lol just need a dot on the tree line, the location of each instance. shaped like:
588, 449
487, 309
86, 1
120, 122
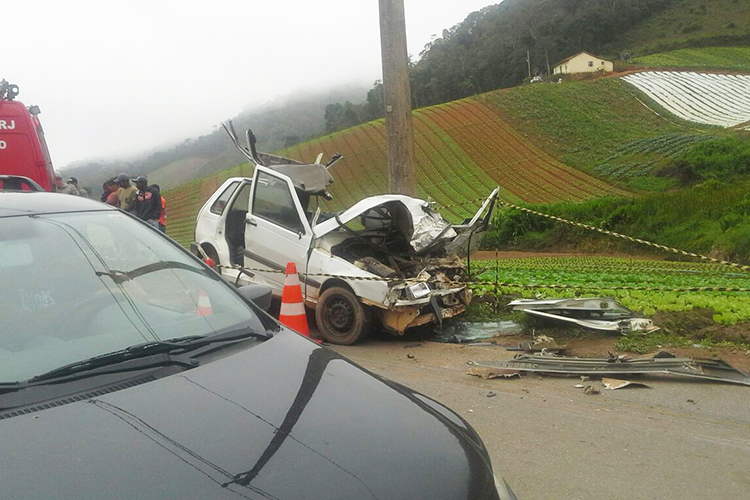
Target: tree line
488, 50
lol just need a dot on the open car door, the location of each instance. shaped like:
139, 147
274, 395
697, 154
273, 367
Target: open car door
470, 231
276, 230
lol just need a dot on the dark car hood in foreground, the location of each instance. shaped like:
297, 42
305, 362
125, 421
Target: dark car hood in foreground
285, 419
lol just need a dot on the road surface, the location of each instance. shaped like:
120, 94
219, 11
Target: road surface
676, 440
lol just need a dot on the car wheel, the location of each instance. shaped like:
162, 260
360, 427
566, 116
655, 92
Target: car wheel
341, 317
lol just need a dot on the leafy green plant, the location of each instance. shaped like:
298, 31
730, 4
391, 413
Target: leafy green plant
621, 278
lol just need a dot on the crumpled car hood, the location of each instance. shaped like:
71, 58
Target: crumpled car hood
285, 419
427, 224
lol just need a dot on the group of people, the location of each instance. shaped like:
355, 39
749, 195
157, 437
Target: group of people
141, 200
70, 187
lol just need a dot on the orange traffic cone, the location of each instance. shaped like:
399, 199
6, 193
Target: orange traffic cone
204, 305
292, 312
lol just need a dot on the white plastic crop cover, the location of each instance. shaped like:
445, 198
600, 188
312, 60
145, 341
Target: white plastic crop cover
708, 98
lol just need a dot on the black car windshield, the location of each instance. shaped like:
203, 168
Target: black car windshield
74, 286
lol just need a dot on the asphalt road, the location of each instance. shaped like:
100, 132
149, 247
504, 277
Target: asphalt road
676, 440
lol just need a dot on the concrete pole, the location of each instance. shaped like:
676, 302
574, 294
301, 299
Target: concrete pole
402, 178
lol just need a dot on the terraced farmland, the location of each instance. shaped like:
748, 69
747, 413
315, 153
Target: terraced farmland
706, 98
463, 150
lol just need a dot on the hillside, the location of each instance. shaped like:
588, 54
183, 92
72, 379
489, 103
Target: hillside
484, 52
526, 140
705, 59
689, 23
488, 49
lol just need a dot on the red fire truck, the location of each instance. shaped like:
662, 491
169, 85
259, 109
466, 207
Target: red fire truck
23, 150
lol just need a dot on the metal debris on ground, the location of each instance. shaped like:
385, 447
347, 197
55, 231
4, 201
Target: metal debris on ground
590, 390
490, 373
660, 363
463, 332
595, 313
541, 343
616, 383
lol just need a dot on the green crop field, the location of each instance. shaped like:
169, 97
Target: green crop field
583, 124
604, 276
706, 58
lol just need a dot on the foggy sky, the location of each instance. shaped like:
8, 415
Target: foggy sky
120, 78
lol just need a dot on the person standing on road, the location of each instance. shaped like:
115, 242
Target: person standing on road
63, 187
147, 202
106, 190
126, 193
111, 195
81, 192
163, 213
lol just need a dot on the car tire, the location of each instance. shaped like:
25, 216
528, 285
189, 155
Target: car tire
341, 317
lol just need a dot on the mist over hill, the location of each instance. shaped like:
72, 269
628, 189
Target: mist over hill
277, 124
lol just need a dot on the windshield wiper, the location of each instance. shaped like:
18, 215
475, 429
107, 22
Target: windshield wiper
122, 276
136, 357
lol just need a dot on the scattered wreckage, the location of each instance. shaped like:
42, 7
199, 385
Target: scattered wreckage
593, 313
389, 258
662, 362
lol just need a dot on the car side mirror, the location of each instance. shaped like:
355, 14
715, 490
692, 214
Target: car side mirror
260, 295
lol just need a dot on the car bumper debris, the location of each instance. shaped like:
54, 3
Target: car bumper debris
662, 362
596, 313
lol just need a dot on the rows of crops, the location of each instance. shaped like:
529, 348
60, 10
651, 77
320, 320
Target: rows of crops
650, 152
463, 149
707, 98
599, 276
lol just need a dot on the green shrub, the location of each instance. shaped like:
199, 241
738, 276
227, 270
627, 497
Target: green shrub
724, 158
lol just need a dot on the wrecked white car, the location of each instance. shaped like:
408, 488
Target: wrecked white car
388, 259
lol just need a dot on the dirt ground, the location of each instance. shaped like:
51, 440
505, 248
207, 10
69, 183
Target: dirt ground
676, 439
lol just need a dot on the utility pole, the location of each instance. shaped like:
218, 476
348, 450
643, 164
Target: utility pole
402, 178
528, 62
546, 55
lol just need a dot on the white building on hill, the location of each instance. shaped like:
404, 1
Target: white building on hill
583, 62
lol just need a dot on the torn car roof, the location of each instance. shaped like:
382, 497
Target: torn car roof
427, 224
